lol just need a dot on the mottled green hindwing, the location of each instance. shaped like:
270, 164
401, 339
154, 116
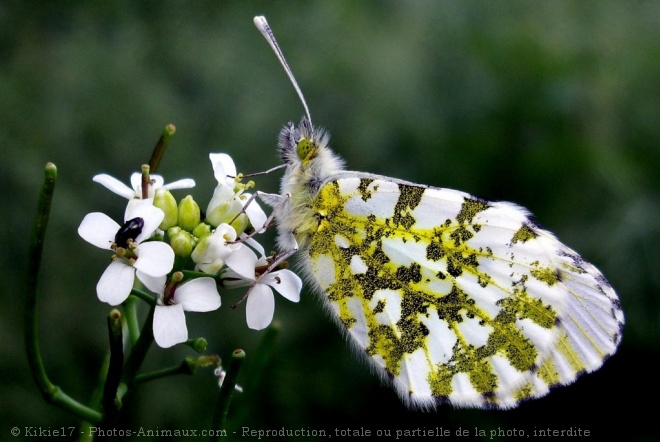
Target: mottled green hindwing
454, 298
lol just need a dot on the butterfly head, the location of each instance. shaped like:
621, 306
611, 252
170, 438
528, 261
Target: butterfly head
301, 143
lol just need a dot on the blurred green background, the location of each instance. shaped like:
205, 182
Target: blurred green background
553, 105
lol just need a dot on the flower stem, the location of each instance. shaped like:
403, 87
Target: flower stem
110, 401
192, 274
36, 251
130, 316
226, 392
51, 392
161, 145
87, 434
139, 352
146, 297
183, 368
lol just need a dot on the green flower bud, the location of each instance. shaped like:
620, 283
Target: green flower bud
189, 214
201, 230
181, 242
241, 223
164, 200
225, 212
174, 231
199, 345
218, 215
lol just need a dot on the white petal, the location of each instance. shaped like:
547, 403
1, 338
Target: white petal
211, 268
140, 207
169, 325
260, 307
114, 185
214, 246
230, 274
223, 165
254, 244
242, 261
233, 280
185, 183
155, 284
98, 229
151, 215
155, 258
287, 283
198, 295
136, 182
132, 204
157, 182
221, 194
255, 214
116, 283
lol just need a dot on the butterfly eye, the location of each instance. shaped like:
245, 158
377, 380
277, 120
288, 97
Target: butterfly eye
130, 230
306, 149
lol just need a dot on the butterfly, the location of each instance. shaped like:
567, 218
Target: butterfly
451, 298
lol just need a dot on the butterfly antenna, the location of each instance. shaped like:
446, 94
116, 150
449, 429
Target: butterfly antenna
262, 24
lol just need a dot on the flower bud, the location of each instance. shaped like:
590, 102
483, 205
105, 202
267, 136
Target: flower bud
199, 345
241, 223
201, 230
182, 242
173, 231
164, 200
189, 214
225, 212
219, 214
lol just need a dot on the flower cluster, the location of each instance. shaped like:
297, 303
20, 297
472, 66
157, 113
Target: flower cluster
181, 256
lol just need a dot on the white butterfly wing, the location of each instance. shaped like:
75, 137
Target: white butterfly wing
456, 299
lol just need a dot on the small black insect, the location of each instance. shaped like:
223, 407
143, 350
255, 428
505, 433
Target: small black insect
130, 230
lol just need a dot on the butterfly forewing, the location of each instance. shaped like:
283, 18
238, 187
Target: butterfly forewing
454, 298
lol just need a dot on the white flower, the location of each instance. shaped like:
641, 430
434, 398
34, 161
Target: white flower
135, 193
197, 295
227, 201
261, 302
150, 261
216, 250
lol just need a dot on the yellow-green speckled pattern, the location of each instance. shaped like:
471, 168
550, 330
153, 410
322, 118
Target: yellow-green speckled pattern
455, 298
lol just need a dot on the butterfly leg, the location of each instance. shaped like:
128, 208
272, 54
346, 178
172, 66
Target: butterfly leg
265, 172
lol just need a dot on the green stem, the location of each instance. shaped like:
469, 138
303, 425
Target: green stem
139, 352
130, 315
36, 252
110, 401
192, 274
226, 392
51, 392
146, 297
86, 432
183, 368
161, 145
